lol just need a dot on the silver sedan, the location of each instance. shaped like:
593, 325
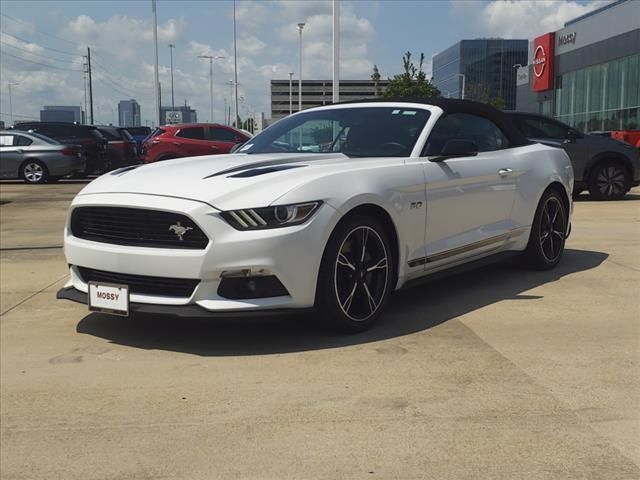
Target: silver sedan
36, 158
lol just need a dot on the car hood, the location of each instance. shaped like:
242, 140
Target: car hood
224, 181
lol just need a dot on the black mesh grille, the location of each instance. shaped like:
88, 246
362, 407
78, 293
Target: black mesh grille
137, 227
161, 286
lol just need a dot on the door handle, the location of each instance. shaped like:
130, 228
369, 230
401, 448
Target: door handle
20, 150
177, 144
505, 172
215, 147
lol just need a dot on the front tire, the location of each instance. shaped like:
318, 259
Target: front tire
609, 180
548, 233
355, 274
34, 171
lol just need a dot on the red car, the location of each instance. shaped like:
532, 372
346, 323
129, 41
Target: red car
190, 140
630, 136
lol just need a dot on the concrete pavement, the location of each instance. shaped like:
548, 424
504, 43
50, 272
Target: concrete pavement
496, 373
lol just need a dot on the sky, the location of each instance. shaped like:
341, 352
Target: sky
42, 44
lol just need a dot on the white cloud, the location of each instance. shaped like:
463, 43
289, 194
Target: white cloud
530, 18
267, 49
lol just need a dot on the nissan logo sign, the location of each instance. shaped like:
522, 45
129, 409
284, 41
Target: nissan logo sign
539, 61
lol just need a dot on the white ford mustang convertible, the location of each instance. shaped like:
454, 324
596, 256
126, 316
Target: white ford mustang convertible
330, 209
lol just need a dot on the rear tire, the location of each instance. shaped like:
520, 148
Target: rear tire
609, 180
34, 171
548, 233
356, 275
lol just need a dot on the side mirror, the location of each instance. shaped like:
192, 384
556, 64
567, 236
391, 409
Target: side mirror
572, 136
457, 148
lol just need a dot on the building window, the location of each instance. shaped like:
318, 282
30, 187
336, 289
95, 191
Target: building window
601, 97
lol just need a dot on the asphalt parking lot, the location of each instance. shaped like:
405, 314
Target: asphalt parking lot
496, 373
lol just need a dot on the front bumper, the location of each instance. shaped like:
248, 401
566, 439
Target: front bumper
182, 311
292, 254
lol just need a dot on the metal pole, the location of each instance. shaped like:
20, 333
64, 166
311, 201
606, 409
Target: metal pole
211, 89
290, 93
156, 78
235, 63
336, 51
90, 86
11, 104
171, 47
300, 27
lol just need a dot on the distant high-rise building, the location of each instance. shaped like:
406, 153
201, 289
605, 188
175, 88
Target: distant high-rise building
62, 113
488, 68
181, 114
129, 113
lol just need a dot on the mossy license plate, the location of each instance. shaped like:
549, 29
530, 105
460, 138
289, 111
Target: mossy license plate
109, 298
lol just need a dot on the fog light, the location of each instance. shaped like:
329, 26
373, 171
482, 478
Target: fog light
237, 288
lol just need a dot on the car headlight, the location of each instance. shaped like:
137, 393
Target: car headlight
271, 217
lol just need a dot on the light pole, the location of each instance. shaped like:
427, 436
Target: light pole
173, 105
11, 104
230, 83
290, 93
300, 27
212, 59
463, 79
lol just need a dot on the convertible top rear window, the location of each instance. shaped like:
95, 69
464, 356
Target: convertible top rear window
354, 131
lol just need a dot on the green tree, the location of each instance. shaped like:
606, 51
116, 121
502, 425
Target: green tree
375, 76
480, 93
413, 82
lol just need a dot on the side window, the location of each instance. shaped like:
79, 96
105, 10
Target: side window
196, 133
6, 140
21, 141
463, 126
547, 129
222, 135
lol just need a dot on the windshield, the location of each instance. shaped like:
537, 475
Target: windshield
356, 132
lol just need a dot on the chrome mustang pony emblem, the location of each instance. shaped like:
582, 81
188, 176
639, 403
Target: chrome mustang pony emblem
179, 230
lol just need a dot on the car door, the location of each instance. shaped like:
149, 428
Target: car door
222, 140
469, 198
191, 142
10, 157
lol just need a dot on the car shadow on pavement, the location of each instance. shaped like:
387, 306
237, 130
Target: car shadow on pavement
585, 197
410, 310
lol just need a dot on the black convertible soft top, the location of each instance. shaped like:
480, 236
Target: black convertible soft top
451, 105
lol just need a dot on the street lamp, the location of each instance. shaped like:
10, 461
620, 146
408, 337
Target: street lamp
290, 93
10, 103
463, 79
171, 47
212, 59
300, 27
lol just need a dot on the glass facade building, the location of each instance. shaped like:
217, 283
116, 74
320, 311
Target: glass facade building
129, 113
601, 97
487, 66
596, 60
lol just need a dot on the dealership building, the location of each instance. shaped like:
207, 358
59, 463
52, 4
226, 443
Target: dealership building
588, 73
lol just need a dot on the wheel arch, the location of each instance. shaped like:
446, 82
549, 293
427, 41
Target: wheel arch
604, 156
32, 159
382, 215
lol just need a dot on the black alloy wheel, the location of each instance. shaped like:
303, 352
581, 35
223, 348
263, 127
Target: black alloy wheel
548, 233
361, 273
609, 180
356, 274
552, 229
